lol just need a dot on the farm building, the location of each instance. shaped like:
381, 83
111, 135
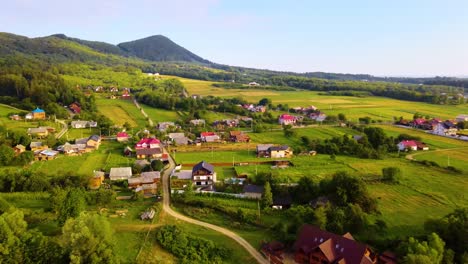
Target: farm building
122, 173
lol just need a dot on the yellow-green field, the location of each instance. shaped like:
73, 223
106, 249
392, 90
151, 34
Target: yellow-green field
121, 111
354, 107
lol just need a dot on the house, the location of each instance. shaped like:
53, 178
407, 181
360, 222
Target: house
314, 245
128, 151
421, 146
163, 126
72, 149
46, 154
29, 116
407, 145
15, 117
253, 191
36, 145
254, 84
96, 181
39, 132
286, 119
281, 202
148, 148
280, 152
147, 182
126, 94
19, 149
122, 137
178, 138
204, 176
142, 163
122, 173
75, 107
92, 124
38, 113
92, 143
209, 137
148, 153
446, 128
461, 118
79, 124
263, 150
238, 136
197, 122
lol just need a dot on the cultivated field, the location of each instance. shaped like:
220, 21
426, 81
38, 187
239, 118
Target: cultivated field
121, 111
378, 108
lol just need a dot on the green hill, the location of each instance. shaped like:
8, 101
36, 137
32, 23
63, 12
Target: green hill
159, 48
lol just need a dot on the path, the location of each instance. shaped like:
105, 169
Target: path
143, 112
167, 208
64, 128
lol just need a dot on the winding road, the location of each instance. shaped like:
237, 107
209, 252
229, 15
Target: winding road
167, 208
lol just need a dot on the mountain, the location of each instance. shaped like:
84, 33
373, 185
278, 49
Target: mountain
159, 48
96, 45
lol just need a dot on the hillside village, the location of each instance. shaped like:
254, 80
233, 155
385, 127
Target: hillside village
110, 156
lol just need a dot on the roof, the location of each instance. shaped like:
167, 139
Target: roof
49, 152
235, 133
122, 135
408, 143
334, 247
176, 135
142, 163
20, 147
35, 144
148, 151
251, 188
98, 174
278, 148
36, 130
38, 110
282, 200
94, 137
121, 172
181, 141
183, 175
206, 134
263, 147
151, 175
147, 141
287, 117
203, 165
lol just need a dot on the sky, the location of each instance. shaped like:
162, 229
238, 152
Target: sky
385, 38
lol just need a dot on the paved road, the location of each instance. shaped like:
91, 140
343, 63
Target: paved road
167, 208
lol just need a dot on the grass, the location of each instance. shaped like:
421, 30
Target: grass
354, 107
21, 125
121, 112
216, 156
457, 158
74, 133
159, 115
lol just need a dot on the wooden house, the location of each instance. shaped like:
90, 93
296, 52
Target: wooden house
122, 173
38, 114
19, 149
314, 245
263, 150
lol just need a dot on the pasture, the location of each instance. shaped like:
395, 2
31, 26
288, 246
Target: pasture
378, 108
160, 115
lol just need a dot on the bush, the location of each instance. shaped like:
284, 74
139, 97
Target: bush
391, 174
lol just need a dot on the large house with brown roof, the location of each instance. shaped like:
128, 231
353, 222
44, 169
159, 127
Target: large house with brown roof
204, 176
314, 245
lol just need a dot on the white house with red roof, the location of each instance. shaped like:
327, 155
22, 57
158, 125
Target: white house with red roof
148, 143
122, 137
408, 144
286, 119
209, 137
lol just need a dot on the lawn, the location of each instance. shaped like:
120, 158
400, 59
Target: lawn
21, 125
457, 158
74, 133
121, 112
216, 156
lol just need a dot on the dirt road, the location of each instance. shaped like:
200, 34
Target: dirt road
167, 208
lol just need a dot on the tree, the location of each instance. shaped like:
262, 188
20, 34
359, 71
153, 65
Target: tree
25, 158
6, 155
391, 174
265, 101
89, 239
267, 196
306, 190
73, 205
430, 251
342, 117
157, 165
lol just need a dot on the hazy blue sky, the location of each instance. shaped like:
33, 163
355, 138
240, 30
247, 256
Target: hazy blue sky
397, 37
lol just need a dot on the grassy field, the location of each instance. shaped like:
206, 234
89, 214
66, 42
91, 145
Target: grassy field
457, 158
21, 125
74, 133
354, 107
121, 111
159, 115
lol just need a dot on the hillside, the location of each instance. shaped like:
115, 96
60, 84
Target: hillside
159, 48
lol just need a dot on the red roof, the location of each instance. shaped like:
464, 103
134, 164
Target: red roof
287, 117
420, 121
409, 143
122, 135
336, 248
147, 142
206, 134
